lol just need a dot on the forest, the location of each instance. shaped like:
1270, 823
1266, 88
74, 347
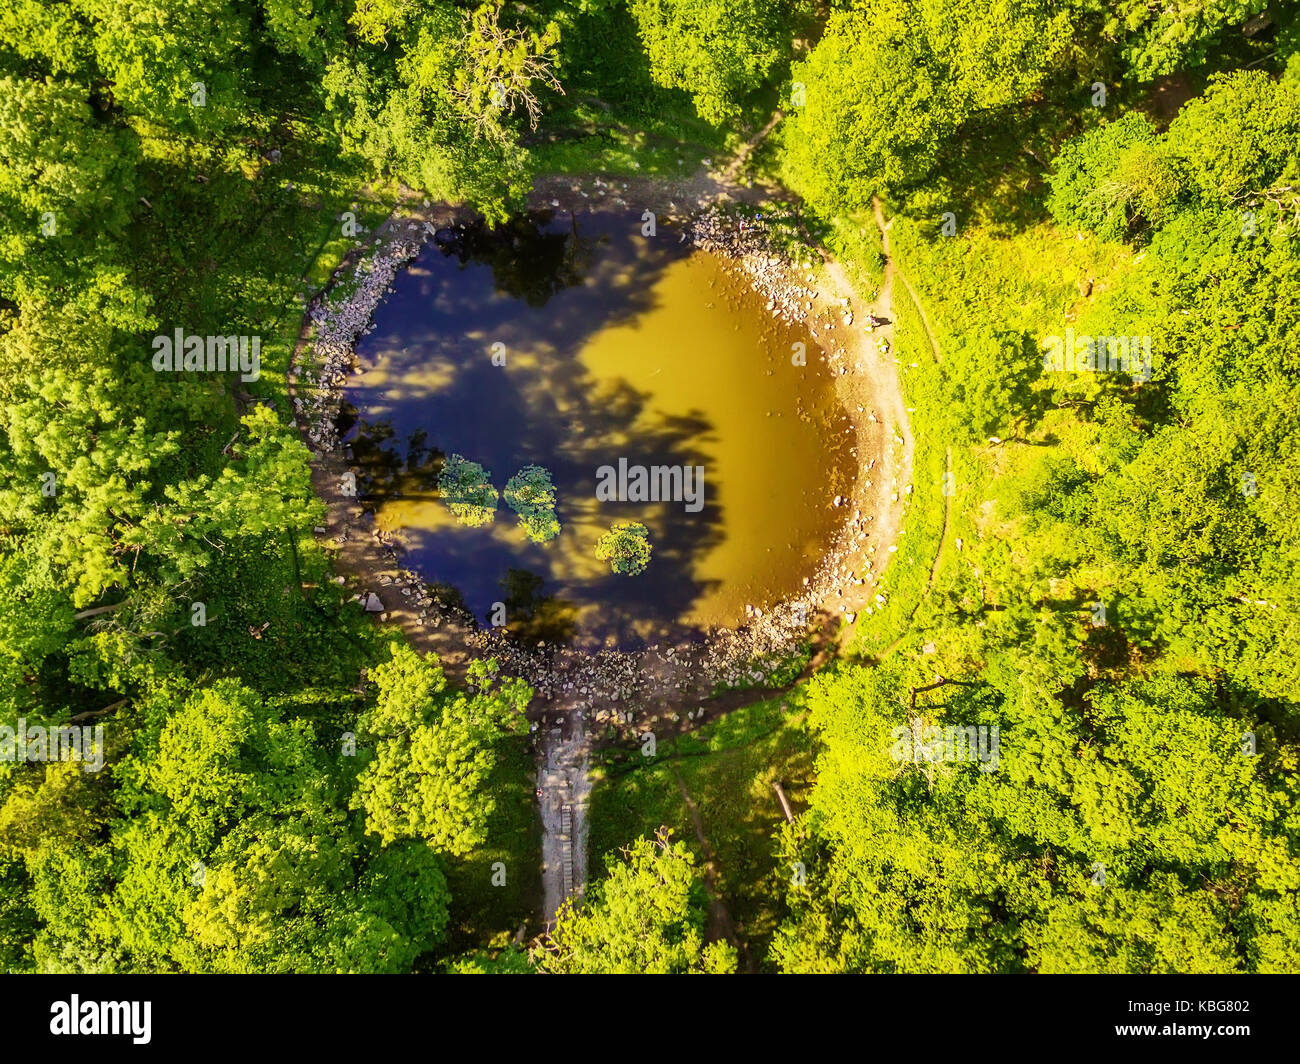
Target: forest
1093, 241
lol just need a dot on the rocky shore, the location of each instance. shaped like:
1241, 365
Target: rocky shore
337, 326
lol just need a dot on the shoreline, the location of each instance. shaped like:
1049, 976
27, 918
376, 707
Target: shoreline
650, 685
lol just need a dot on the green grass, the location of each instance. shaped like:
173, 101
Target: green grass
907, 572
481, 912
617, 153
728, 767
857, 245
983, 278
585, 139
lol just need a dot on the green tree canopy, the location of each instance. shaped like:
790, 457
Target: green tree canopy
531, 495
467, 488
433, 752
720, 51
626, 546
889, 85
646, 916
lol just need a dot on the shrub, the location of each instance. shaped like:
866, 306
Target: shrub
626, 546
467, 488
531, 495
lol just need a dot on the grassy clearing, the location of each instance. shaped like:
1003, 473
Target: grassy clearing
588, 139
857, 245
1031, 281
623, 123
907, 575
728, 768
1027, 280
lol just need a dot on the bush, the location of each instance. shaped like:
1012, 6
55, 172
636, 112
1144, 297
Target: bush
1111, 178
626, 546
531, 495
467, 488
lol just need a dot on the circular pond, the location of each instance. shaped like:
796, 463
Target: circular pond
651, 384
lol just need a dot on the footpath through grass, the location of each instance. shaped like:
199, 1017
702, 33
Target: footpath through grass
1030, 281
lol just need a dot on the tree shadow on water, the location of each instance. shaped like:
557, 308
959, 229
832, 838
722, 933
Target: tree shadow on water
542, 288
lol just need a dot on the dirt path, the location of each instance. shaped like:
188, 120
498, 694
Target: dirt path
892, 273
747, 149
947, 522
884, 429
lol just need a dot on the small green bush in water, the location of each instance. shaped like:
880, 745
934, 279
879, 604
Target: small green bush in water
467, 488
626, 546
531, 495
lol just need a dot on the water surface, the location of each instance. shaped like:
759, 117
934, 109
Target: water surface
615, 346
